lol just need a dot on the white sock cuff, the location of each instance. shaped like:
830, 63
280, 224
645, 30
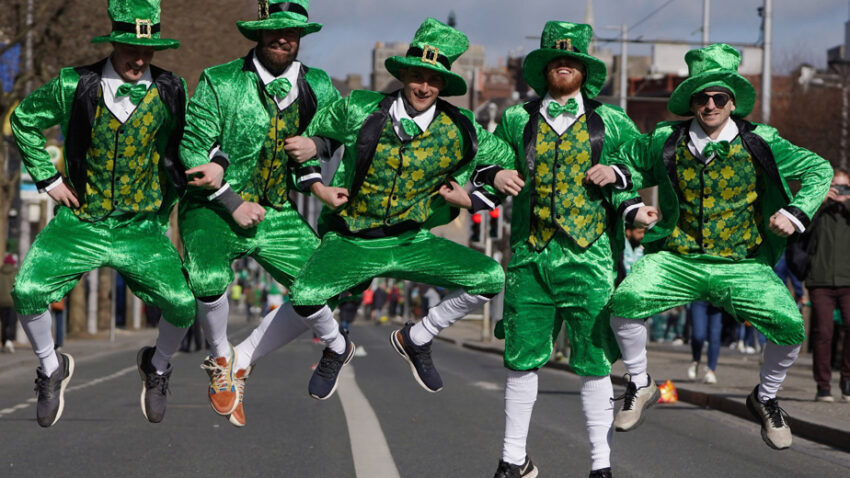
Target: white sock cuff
519, 377
214, 305
621, 323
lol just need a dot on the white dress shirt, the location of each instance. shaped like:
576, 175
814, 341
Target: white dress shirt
291, 74
110, 81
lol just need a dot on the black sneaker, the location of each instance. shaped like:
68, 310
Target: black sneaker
154, 386
601, 473
775, 430
845, 390
419, 358
51, 391
326, 376
508, 470
824, 395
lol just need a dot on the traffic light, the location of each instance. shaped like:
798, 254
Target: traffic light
495, 224
475, 229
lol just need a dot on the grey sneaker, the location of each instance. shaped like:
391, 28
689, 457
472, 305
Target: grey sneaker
51, 391
635, 402
508, 470
154, 386
774, 421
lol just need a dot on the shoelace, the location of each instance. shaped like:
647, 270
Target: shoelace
154, 381
329, 365
423, 355
216, 372
240, 385
628, 396
775, 413
42, 387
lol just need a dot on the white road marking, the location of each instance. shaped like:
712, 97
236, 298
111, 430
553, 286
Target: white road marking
90, 383
488, 385
369, 447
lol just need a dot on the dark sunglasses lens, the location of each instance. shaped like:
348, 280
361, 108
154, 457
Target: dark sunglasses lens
720, 99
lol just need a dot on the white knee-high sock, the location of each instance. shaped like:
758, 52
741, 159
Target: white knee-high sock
326, 328
213, 318
777, 360
278, 328
38, 329
597, 401
453, 307
520, 395
631, 337
167, 342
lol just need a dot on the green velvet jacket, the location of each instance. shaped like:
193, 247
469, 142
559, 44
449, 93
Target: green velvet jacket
70, 101
608, 127
228, 110
358, 121
651, 161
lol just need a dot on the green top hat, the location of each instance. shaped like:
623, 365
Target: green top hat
569, 40
435, 46
136, 22
277, 15
714, 65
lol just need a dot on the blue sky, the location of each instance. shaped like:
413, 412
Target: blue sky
803, 29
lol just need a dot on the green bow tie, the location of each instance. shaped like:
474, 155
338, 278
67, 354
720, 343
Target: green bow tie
279, 87
555, 109
410, 127
720, 148
136, 92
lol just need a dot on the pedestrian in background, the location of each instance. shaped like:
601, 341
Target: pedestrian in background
8, 318
706, 324
828, 281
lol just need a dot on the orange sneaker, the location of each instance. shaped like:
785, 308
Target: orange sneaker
237, 418
223, 396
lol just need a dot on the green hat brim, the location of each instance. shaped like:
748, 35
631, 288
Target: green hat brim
455, 84
130, 39
745, 94
536, 61
251, 29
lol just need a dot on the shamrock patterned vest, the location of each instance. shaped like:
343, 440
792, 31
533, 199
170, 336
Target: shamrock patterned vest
404, 176
719, 213
563, 202
123, 172
269, 181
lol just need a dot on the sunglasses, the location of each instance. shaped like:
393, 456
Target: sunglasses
720, 99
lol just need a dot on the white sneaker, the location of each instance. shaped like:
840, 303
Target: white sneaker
692, 370
9, 347
750, 350
710, 378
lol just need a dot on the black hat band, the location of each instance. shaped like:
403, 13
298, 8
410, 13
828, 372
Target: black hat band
287, 7
429, 55
142, 28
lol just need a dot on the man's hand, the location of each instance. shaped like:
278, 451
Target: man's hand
508, 181
646, 216
332, 197
781, 225
600, 175
206, 176
455, 195
300, 148
249, 214
64, 195
833, 195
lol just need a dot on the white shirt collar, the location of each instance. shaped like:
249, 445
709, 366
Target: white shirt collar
291, 74
397, 113
699, 138
564, 121
110, 81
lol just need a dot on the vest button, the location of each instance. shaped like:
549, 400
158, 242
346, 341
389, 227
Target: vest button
557, 165
558, 216
395, 198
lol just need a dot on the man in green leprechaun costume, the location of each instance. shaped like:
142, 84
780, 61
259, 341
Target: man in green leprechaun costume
122, 119
242, 140
563, 236
406, 156
726, 210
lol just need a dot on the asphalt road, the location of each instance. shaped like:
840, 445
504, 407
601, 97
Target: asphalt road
380, 424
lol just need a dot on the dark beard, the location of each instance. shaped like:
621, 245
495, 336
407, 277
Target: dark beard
275, 67
634, 242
